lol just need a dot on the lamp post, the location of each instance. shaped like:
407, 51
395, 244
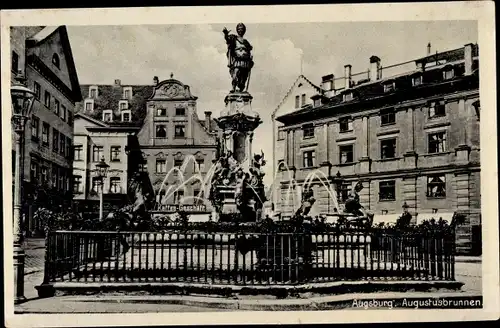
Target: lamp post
22, 104
102, 171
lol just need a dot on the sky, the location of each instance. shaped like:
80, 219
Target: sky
196, 55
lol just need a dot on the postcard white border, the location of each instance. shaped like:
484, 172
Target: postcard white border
482, 11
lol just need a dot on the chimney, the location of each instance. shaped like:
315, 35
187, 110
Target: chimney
347, 76
155, 80
428, 49
375, 68
118, 82
468, 58
328, 85
208, 116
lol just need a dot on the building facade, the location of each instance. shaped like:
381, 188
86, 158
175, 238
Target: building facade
43, 56
412, 138
153, 130
178, 147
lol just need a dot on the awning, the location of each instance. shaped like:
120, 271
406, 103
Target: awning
203, 217
436, 216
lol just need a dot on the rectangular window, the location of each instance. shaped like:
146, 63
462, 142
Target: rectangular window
161, 166
125, 117
62, 178
416, 80
115, 153
126, 94
308, 131
37, 89
346, 154
46, 99
348, 96
345, 189
15, 62
198, 200
436, 186
161, 111
387, 117
78, 151
123, 105
161, 131
180, 111
178, 162
57, 107
345, 124
303, 100
437, 109
388, 148
309, 158
62, 144
297, 101
281, 134
45, 134
55, 140
70, 118
63, 112
180, 131
97, 153
199, 165
68, 147
437, 142
93, 93
388, 87
35, 128
387, 190
114, 185
178, 196
107, 116
448, 74
77, 184
89, 106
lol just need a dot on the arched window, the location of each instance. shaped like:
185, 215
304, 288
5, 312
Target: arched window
55, 60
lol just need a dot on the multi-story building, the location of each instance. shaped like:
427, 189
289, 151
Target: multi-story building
178, 146
43, 56
411, 138
141, 128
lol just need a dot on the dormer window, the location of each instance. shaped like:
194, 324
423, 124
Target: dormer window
416, 80
448, 73
123, 104
127, 92
107, 115
89, 105
55, 61
126, 116
389, 86
93, 92
317, 102
348, 96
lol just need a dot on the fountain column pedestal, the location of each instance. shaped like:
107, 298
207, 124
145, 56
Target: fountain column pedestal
237, 122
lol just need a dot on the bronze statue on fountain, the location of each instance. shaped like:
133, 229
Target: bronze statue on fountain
354, 213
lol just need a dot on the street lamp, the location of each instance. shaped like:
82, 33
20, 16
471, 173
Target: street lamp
22, 104
102, 171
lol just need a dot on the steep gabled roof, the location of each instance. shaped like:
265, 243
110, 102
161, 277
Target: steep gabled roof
43, 35
90, 119
297, 81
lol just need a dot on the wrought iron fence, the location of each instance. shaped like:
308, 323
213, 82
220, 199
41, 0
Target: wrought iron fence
248, 258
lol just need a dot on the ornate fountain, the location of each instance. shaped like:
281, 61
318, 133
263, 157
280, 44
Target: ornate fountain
237, 189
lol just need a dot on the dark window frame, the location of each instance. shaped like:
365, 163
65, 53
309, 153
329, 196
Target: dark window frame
383, 194
346, 125
388, 116
180, 111
160, 127
14, 64
114, 153
179, 135
384, 145
308, 158
35, 126
97, 153
78, 153
434, 145
308, 131
344, 149
437, 183
163, 167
